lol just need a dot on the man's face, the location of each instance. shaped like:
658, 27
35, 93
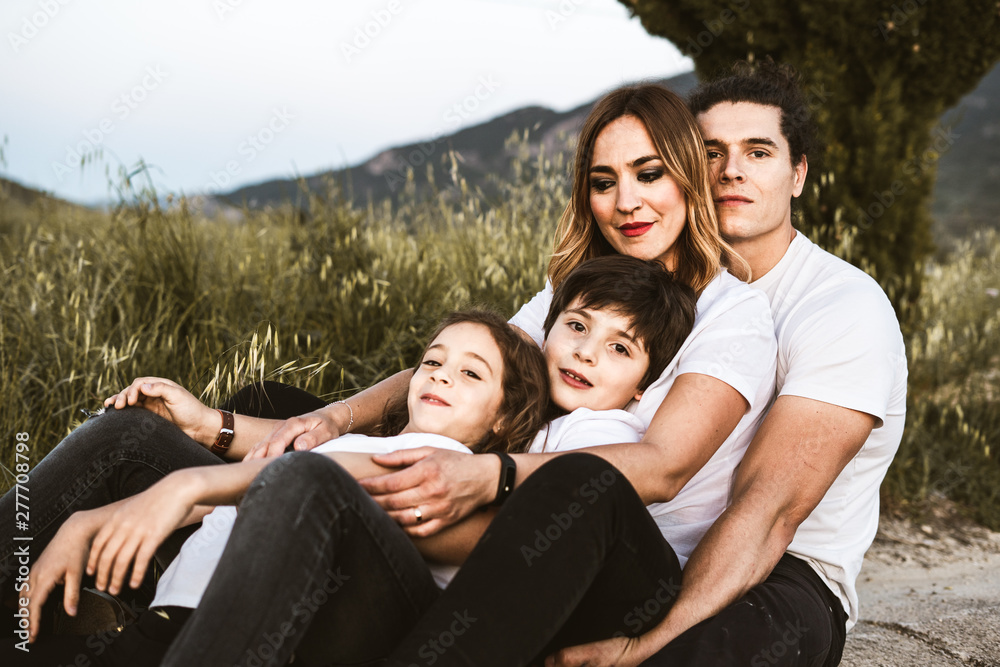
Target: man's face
753, 179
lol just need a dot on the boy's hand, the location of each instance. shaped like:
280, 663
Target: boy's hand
62, 562
172, 402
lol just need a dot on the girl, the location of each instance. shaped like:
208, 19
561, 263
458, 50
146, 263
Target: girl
478, 387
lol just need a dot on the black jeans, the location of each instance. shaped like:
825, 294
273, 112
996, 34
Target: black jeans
313, 566
546, 577
114, 456
572, 557
791, 619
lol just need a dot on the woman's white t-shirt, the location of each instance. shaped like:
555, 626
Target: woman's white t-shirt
733, 341
185, 580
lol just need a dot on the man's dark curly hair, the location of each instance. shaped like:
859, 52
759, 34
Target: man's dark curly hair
769, 84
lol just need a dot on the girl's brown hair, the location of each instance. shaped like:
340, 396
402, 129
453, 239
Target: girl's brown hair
524, 382
701, 252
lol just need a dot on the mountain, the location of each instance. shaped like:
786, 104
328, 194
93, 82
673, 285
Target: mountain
480, 148
966, 195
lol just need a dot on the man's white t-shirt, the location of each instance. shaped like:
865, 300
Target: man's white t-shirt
733, 341
185, 580
839, 342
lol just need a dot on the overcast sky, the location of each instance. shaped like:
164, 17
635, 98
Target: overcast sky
231, 92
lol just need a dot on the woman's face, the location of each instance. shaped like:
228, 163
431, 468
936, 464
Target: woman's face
457, 390
638, 207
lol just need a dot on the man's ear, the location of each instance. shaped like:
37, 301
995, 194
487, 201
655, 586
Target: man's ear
801, 169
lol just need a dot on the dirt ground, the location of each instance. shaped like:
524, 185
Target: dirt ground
930, 595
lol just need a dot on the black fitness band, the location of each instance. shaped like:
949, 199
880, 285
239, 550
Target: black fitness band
508, 471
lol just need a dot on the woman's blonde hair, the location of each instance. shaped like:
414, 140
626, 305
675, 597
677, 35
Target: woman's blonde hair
700, 250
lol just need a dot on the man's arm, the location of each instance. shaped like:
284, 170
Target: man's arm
798, 452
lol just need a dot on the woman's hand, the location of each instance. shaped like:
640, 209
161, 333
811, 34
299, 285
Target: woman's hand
617, 652
172, 402
445, 485
135, 529
305, 432
62, 562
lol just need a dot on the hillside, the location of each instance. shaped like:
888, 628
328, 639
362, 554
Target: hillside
966, 196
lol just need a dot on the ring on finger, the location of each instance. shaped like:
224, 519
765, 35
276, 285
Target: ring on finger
417, 514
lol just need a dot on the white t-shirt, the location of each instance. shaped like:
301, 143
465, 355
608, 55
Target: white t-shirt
839, 343
185, 580
733, 341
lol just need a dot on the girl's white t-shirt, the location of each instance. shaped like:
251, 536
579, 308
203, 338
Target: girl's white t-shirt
733, 341
185, 580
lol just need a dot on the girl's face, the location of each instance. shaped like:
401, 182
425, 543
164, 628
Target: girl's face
639, 209
457, 390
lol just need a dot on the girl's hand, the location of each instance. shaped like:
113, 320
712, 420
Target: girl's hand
306, 432
134, 530
172, 402
62, 562
619, 652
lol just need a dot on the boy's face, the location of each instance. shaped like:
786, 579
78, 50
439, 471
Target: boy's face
593, 360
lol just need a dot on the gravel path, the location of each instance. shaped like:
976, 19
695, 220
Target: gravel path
930, 595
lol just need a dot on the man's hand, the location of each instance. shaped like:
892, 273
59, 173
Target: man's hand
445, 485
172, 402
617, 652
305, 432
62, 562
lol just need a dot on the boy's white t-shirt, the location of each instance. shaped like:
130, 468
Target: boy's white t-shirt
185, 580
732, 340
839, 342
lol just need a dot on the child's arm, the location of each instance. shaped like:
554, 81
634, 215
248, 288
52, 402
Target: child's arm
453, 545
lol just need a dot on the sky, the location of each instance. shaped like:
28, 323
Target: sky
215, 94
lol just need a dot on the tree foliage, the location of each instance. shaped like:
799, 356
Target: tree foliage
878, 77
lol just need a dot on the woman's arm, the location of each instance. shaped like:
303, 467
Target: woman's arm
697, 415
315, 428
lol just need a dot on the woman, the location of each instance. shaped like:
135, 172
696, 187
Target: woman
640, 188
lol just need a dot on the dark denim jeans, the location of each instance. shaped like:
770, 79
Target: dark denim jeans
572, 557
111, 457
314, 566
